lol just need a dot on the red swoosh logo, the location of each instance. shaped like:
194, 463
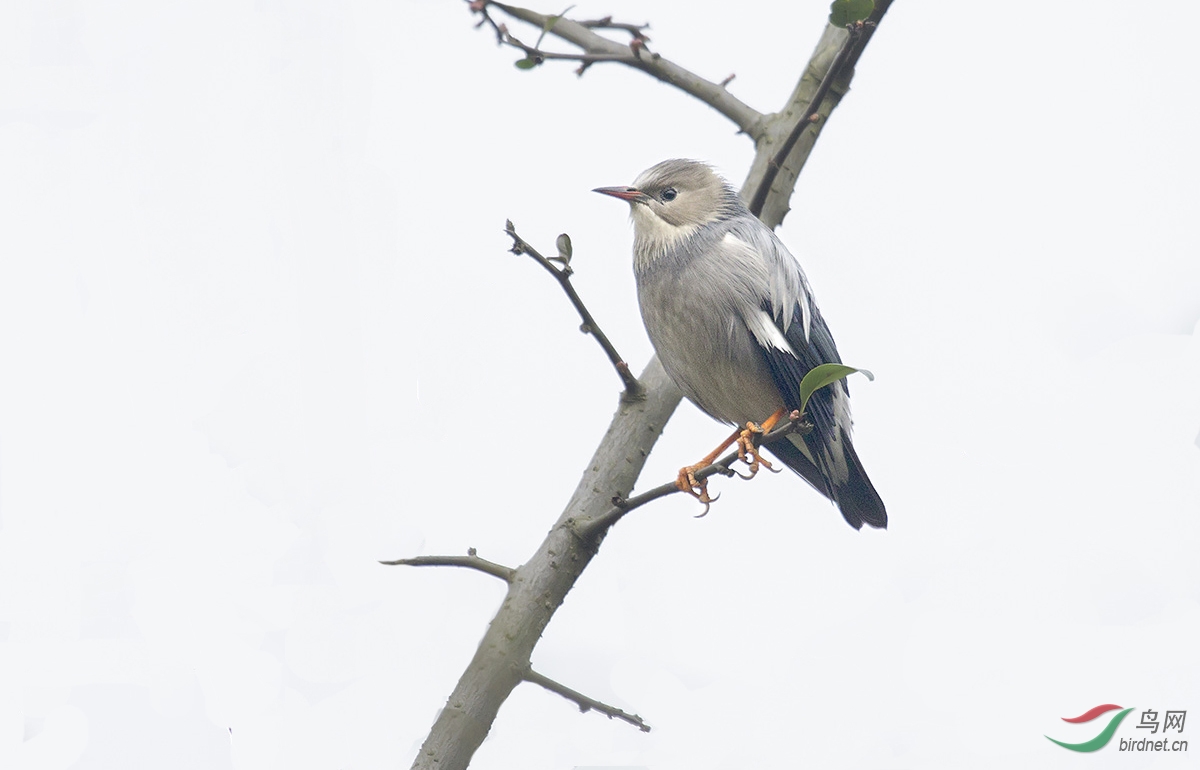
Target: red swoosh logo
1091, 714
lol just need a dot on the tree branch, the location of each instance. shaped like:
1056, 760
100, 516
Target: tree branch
539, 586
784, 145
597, 48
584, 702
633, 389
470, 561
807, 118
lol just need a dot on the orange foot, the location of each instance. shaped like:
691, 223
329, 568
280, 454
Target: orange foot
748, 451
686, 481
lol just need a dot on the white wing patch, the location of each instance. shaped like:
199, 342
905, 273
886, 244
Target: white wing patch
778, 268
766, 333
805, 309
835, 455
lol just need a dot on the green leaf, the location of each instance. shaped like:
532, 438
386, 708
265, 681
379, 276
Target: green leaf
844, 12
563, 242
526, 63
823, 375
549, 25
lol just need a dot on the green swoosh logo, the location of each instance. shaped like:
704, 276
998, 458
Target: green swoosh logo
1100, 740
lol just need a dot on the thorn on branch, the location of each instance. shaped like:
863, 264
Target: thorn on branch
728, 79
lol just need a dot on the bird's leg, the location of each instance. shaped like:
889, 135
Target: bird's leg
698, 488
686, 481
746, 447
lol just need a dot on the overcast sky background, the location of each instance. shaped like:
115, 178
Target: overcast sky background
259, 329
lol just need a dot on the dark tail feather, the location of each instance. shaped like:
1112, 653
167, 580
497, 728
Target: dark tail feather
795, 459
856, 499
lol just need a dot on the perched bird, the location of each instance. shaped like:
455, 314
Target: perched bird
734, 323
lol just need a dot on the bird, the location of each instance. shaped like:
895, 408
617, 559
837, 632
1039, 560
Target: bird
732, 318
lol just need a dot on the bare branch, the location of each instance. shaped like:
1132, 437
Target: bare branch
543, 581
633, 389
534, 52
584, 702
470, 561
597, 48
636, 30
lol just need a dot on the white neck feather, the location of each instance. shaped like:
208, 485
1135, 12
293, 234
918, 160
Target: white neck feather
654, 236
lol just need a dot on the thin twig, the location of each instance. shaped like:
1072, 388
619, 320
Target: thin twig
597, 48
633, 389
470, 561
636, 30
621, 506
584, 702
537, 55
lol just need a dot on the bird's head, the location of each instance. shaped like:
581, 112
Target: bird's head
673, 199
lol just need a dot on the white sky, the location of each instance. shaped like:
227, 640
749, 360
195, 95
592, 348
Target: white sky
258, 329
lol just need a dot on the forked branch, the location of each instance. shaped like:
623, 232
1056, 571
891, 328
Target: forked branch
594, 48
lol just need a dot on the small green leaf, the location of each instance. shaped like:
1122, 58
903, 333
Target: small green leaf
526, 63
564, 248
549, 25
844, 12
823, 375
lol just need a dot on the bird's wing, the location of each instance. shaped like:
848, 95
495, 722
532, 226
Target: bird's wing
793, 338
780, 311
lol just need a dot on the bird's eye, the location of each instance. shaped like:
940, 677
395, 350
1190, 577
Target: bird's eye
668, 194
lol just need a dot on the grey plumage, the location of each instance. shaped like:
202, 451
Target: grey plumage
734, 323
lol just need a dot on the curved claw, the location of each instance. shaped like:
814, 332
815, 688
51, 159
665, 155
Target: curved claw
743, 476
686, 481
